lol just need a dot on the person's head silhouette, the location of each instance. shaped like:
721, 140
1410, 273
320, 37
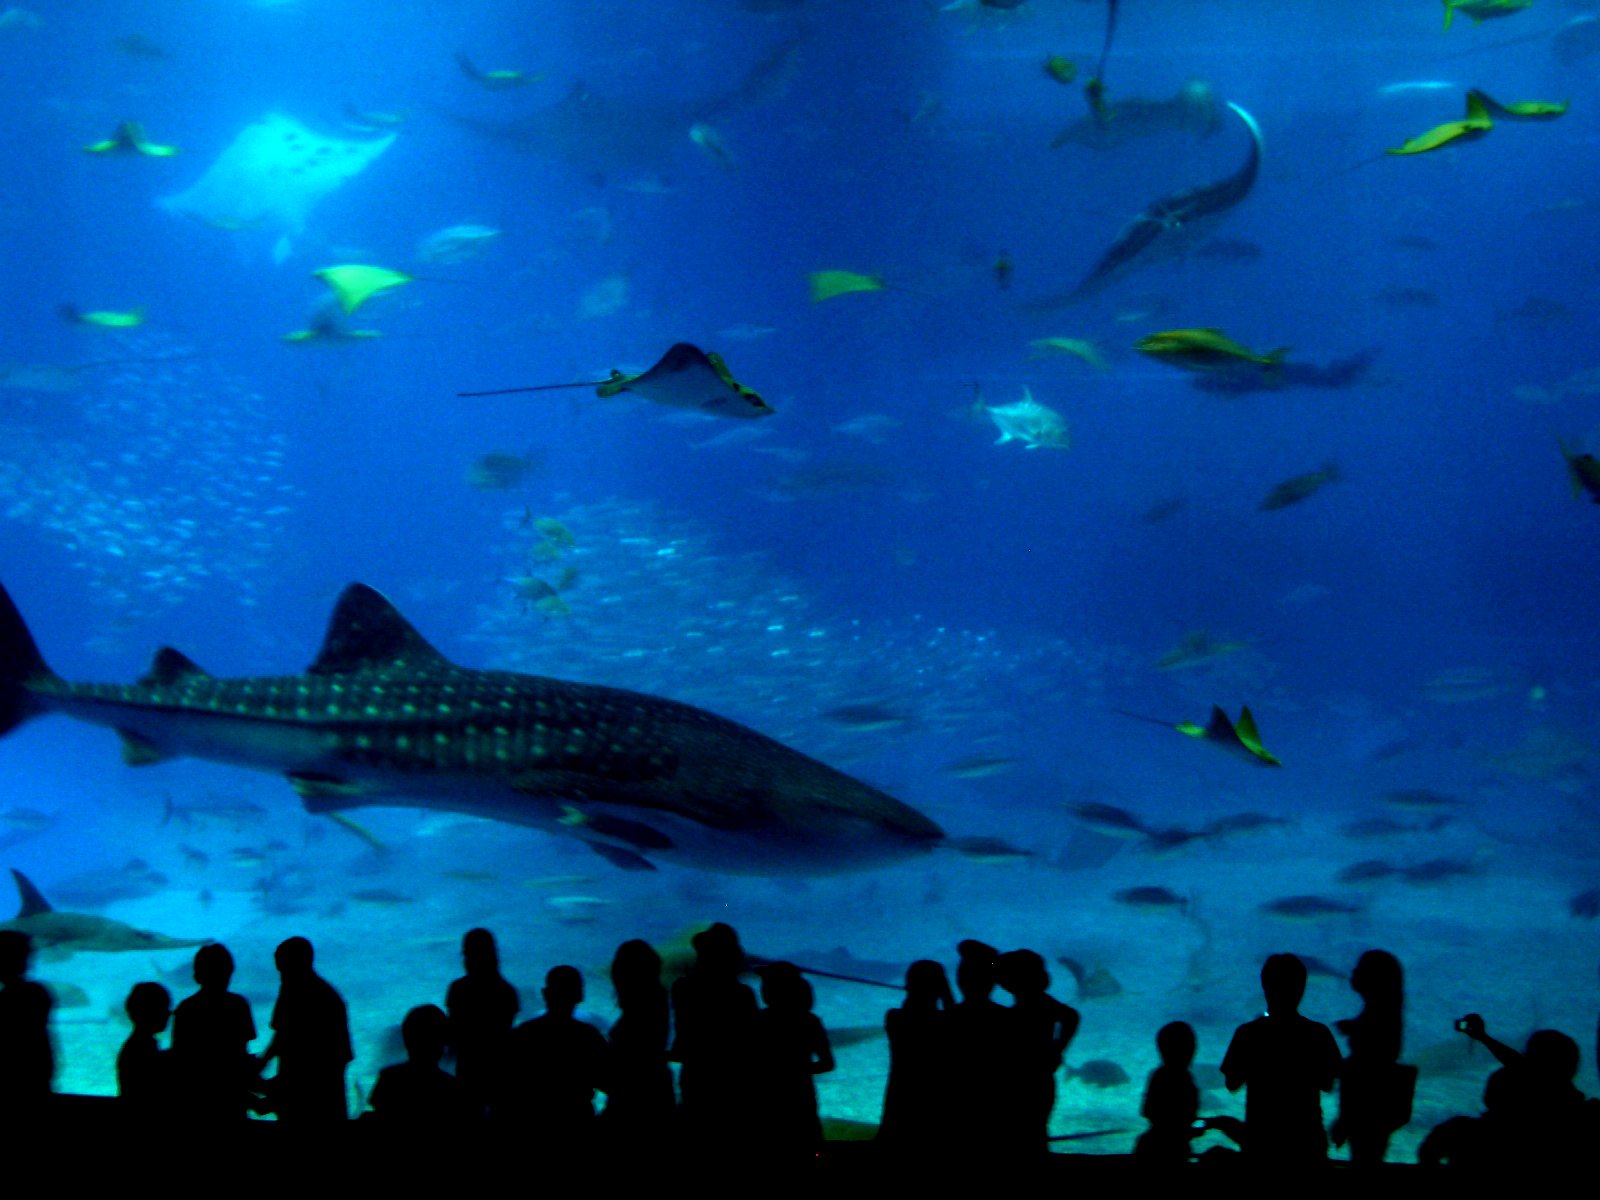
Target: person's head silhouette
149, 1006
425, 1031
1552, 1056
213, 967
635, 965
1022, 973
975, 973
1175, 1043
563, 991
784, 988
927, 985
1378, 979
479, 953
293, 958
717, 951
1283, 982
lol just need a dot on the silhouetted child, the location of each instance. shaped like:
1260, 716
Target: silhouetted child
1171, 1100
1375, 1091
978, 1027
917, 1099
27, 1056
310, 1041
790, 1048
418, 1092
712, 1012
145, 1083
1283, 1061
1038, 1029
482, 1006
211, 1035
557, 1063
640, 1104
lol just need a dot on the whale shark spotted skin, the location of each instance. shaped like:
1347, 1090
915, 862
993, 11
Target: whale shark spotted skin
382, 718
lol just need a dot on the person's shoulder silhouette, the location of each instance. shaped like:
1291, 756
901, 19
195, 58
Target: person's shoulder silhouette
311, 1040
558, 1063
917, 1096
211, 1035
145, 1083
482, 1006
27, 1054
1171, 1099
789, 1047
640, 1102
712, 1012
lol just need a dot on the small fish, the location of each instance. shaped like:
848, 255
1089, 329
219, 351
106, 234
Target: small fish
456, 244
1205, 349
1195, 648
712, 144
1079, 348
1585, 904
1149, 897
1108, 820
1309, 908
1521, 110
978, 766
1170, 840
989, 850
1421, 799
1062, 70
1299, 488
866, 718
825, 285
1483, 10
553, 531
1029, 422
537, 594
1003, 270
1366, 871
1441, 870
130, 318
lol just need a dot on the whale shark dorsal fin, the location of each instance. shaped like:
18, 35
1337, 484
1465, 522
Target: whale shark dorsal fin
367, 633
172, 666
33, 901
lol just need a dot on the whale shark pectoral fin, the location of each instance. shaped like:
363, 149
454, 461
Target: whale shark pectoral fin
140, 751
623, 860
323, 792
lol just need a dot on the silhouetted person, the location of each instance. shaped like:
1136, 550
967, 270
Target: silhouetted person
1375, 1091
1171, 1100
418, 1092
712, 1012
310, 1040
977, 1049
916, 1102
1038, 1030
145, 1072
640, 1105
1283, 1060
482, 1006
789, 1047
557, 1063
27, 1056
211, 1035
1533, 1113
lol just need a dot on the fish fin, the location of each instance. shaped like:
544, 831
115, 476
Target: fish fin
1449, 13
20, 664
1477, 110
33, 901
635, 833
623, 860
171, 666
1250, 738
140, 751
367, 633
350, 825
1219, 726
321, 791
1191, 729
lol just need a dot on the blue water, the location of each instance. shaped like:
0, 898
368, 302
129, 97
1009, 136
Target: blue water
1424, 622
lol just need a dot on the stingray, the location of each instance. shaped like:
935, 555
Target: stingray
271, 176
600, 136
685, 377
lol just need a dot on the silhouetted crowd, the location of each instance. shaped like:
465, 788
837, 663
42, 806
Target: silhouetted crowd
967, 1076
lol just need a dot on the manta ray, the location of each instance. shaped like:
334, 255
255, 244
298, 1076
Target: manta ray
601, 136
382, 718
1174, 222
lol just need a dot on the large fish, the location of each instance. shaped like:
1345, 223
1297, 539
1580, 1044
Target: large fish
382, 718
1175, 220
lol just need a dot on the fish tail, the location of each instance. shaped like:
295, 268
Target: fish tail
1449, 12
20, 664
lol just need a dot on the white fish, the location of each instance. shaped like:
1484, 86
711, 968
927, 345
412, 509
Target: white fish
456, 244
1030, 422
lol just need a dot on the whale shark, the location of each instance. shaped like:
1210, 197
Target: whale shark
1174, 222
70, 932
382, 718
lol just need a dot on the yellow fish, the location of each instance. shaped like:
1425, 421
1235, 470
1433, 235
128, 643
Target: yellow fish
1203, 350
1472, 127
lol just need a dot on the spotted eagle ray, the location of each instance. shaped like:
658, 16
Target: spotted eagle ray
1174, 221
382, 718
